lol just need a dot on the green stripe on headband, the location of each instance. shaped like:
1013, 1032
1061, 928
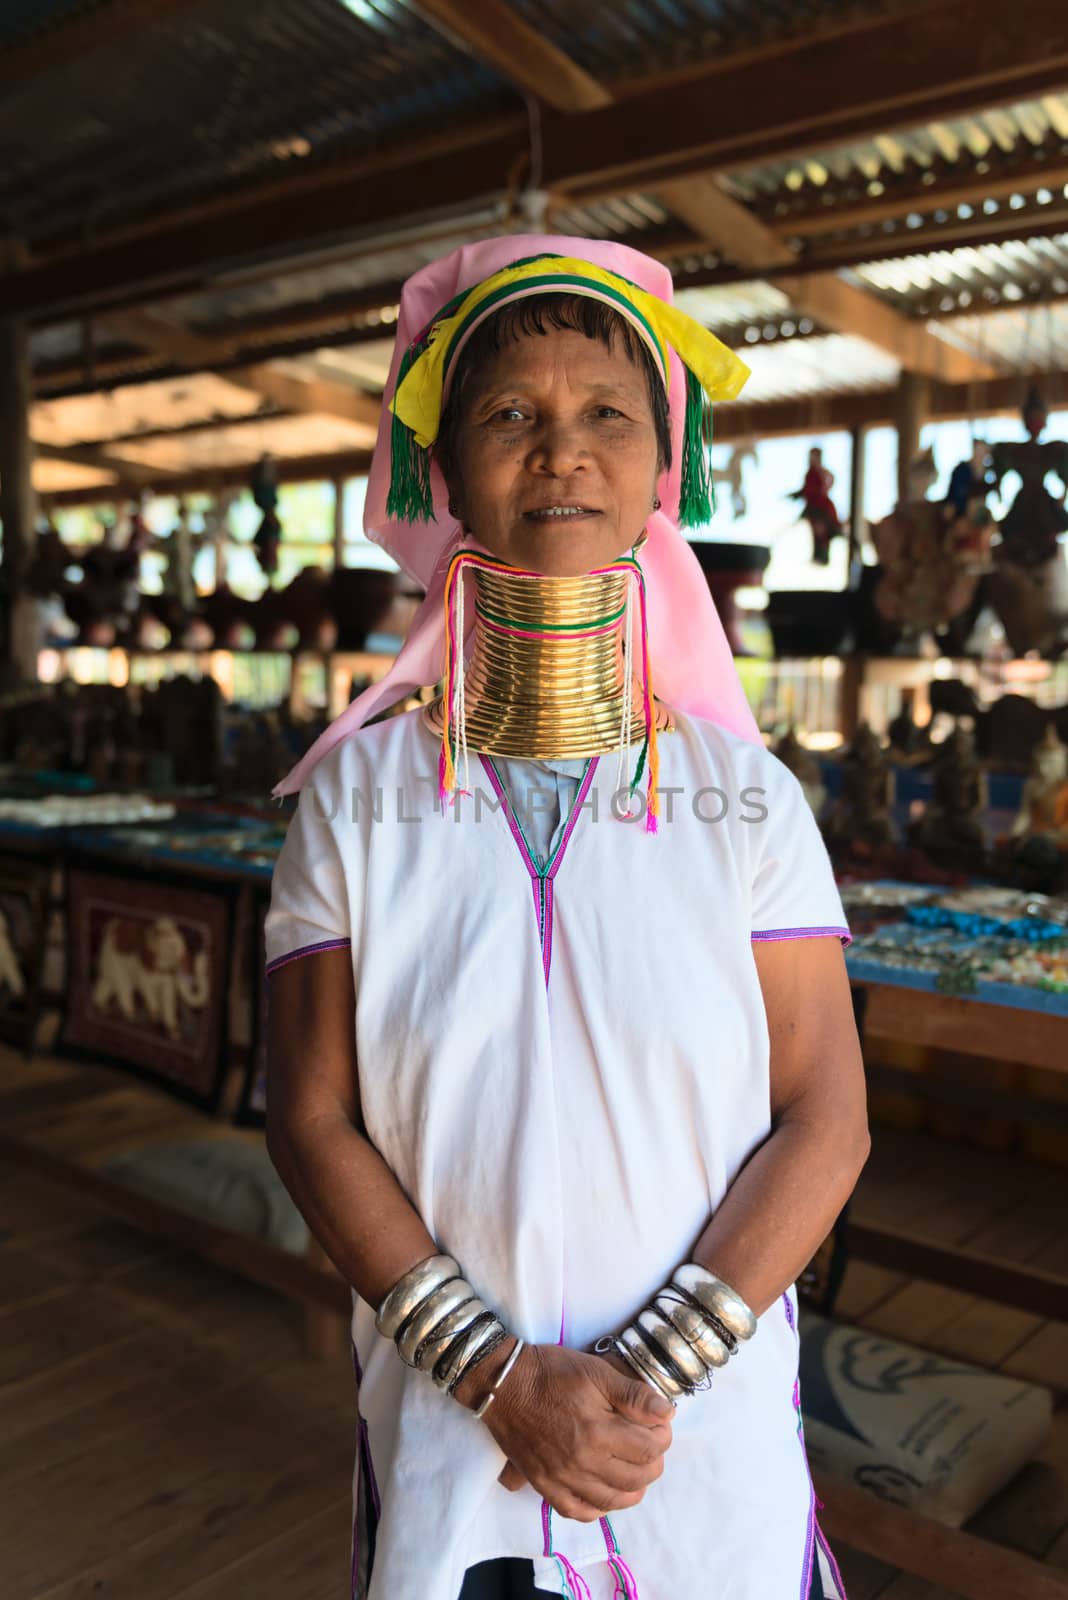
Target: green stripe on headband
558, 283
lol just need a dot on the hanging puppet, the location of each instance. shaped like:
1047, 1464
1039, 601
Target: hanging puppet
1030, 585
268, 535
819, 509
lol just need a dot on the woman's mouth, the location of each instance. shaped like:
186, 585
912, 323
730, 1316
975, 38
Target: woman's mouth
559, 513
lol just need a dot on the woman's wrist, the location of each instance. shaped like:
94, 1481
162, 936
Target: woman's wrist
481, 1380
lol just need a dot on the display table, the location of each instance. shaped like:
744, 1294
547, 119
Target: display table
994, 997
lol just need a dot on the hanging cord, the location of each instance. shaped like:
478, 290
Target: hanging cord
625, 720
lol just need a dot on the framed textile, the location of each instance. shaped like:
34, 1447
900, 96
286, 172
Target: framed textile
24, 893
148, 975
252, 1107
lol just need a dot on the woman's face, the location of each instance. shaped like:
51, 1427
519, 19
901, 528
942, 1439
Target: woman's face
556, 457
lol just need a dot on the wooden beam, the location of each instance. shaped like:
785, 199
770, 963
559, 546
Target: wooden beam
132, 474
725, 225
842, 308
722, 222
952, 56
493, 32
291, 391
182, 346
298, 469
281, 387
91, 28
954, 1562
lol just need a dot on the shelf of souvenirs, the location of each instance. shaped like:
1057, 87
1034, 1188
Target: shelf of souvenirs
311, 682
827, 696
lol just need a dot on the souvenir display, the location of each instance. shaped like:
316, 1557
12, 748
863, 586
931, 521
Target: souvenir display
861, 813
951, 828
1029, 586
931, 559
805, 767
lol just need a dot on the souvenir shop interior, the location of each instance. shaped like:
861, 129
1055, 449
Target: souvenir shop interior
869, 202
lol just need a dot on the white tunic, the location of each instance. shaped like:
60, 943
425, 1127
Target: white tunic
566, 1070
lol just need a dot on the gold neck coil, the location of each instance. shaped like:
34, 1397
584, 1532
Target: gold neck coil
545, 677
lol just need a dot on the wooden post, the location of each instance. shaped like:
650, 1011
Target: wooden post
910, 413
339, 523
856, 499
18, 504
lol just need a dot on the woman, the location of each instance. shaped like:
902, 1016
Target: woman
515, 1132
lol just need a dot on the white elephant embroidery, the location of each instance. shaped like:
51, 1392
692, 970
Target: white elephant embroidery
150, 963
10, 973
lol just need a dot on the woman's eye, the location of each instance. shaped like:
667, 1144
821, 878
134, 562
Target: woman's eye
509, 414
609, 412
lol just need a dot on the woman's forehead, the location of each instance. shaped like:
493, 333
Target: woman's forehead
544, 357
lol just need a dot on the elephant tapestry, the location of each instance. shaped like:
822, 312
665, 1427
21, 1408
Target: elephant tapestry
148, 975
23, 909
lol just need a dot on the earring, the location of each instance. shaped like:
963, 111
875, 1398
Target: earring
656, 503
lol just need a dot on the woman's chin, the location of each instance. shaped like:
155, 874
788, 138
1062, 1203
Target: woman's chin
563, 553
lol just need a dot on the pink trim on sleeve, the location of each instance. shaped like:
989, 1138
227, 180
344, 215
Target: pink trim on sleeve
805, 933
307, 950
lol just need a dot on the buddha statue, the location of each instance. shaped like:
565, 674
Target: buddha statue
951, 828
861, 814
805, 768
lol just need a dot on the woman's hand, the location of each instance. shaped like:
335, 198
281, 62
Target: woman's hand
588, 1437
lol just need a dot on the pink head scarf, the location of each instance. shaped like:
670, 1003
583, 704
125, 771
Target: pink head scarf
691, 659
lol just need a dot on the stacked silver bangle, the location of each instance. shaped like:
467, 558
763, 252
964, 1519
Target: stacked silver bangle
690, 1329
438, 1323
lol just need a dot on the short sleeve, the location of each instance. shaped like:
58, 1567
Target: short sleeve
309, 898
794, 895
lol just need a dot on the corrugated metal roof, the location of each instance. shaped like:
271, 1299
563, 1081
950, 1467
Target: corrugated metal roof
953, 280
873, 168
227, 91
1034, 339
616, 39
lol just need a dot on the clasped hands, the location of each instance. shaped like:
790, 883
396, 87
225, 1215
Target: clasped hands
581, 1429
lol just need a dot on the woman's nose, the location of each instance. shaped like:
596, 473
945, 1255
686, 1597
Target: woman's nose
558, 450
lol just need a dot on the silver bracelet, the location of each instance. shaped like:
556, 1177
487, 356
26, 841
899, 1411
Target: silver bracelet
680, 1353
520, 1346
694, 1327
430, 1352
423, 1322
633, 1348
470, 1348
411, 1290
716, 1297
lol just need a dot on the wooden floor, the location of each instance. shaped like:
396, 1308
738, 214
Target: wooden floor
161, 1434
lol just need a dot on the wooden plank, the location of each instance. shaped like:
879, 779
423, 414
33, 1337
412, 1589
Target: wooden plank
917, 1312
1043, 1358
1029, 1513
308, 1561
146, 1521
264, 1264
1042, 1293
996, 1033
962, 1564
495, 34
47, 1333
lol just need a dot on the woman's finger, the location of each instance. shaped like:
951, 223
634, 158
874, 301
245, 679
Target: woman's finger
511, 1477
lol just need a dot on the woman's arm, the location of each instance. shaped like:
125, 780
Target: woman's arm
785, 1200
349, 1197
588, 1438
